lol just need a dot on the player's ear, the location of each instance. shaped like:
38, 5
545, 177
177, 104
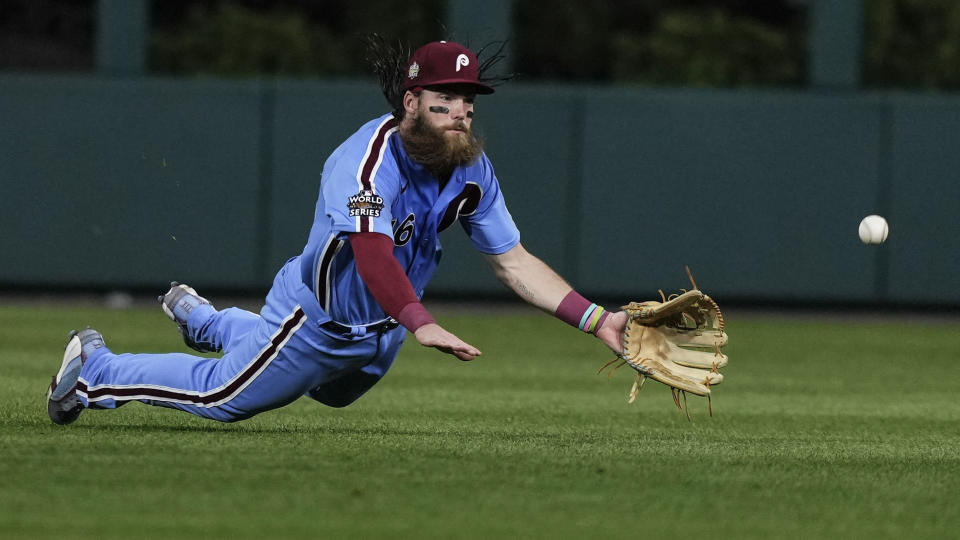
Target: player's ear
411, 101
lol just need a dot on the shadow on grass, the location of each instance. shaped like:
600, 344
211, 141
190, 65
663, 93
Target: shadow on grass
339, 430
279, 429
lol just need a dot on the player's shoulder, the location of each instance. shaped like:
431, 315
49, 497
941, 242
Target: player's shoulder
481, 169
367, 143
374, 133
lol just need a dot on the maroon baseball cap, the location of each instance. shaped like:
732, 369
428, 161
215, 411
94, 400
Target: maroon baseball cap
444, 62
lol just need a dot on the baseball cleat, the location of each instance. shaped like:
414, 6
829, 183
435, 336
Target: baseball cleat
178, 303
63, 406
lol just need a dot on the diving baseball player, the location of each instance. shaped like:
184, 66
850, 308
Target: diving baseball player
337, 314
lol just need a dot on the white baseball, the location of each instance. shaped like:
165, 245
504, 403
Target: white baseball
874, 230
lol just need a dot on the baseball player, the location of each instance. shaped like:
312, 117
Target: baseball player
337, 314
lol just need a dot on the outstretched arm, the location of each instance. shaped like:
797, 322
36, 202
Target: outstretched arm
539, 285
530, 278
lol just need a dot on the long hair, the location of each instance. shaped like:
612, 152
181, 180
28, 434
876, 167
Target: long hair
389, 63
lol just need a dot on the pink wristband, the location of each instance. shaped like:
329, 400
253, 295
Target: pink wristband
576, 310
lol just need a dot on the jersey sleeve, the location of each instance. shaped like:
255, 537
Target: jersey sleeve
490, 227
361, 180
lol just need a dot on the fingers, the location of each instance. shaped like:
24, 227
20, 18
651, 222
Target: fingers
462, 350
433, 335
466, 354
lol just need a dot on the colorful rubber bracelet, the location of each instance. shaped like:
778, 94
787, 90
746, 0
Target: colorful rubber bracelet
577, 311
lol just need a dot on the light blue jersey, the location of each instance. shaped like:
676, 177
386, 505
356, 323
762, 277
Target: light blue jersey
320, 332
369, 184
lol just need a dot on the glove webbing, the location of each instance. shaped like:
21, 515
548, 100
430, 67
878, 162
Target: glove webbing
642, 379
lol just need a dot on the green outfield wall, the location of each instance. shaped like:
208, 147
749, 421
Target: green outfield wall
129, 183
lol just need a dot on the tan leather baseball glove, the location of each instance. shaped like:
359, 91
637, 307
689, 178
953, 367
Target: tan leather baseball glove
677, 341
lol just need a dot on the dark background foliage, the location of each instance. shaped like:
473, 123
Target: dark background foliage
719, 43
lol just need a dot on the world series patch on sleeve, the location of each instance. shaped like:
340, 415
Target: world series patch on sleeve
677, 341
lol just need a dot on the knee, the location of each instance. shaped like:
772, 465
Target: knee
343, 391
337, 400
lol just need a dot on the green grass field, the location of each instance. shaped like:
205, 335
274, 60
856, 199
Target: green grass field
823, 429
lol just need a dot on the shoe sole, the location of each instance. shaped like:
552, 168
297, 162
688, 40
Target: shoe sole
69, 368
63, 417
59, 394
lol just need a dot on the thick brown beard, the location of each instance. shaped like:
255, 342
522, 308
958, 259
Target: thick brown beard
429, 147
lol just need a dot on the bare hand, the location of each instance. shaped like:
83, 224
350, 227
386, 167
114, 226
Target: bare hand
432, 335
611, 333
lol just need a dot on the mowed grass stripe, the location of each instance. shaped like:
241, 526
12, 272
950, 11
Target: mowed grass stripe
822, 429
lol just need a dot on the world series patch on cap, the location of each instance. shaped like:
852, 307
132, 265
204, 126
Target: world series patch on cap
444, 62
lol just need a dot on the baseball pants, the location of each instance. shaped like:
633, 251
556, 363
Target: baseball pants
269, 360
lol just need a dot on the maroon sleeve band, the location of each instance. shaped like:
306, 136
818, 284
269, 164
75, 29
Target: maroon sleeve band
581, 313
413, 316
385, 278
